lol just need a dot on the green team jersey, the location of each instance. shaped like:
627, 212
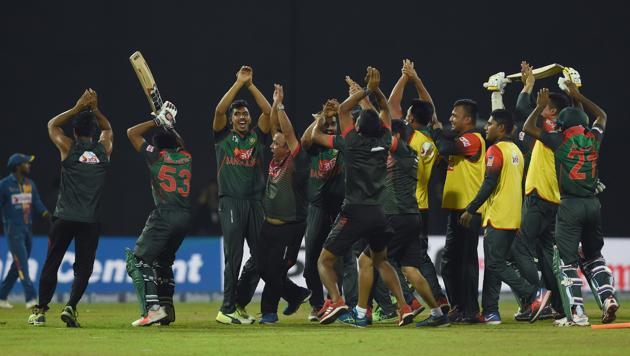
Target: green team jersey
401, 180
82, 181
171, 171
285, 193
325, 181
365, 166
576, 151
240, 167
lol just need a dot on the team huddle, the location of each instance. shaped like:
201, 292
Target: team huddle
354, 186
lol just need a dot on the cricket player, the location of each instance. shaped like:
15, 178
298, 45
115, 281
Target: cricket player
576, 152
502, 193
419, 115
465, 172
401, 209
325, 193
150, 264
366, 148
285, 206
84, 164
18, 199
533, 247
241, 177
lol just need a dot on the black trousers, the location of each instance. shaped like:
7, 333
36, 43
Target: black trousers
460, 264
319, 221
85, 237
277, 252
532, 249
240, 222
496, 248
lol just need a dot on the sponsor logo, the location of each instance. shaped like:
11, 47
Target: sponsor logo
464, 141
150, 148
89, 157
377, 149
515, 158
276, 170
242, 157
243, 154
324, 168
427, 150
490, 161
521, 135
22, 198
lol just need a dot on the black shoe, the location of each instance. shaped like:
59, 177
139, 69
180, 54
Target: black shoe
293, 306
69, 315
170, 314
454, 315
434, 321
523, 315
547, 313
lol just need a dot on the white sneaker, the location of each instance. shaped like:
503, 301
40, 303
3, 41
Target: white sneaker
31, 303
609, 309
4, 304
577, 321
153, 316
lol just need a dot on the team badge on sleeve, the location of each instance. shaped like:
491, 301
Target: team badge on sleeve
490, 161
150, 148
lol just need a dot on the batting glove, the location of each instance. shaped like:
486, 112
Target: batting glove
166, 115
497, 82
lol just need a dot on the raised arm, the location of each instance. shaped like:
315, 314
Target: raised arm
317, 133
329, 110
354, 87
285, 124
243, 76
423, 93
530, 126
373, 79
261, 101
395, 97
136, 133
55, 132
527, 77
345, 117
591, 107
107, 134
307, 137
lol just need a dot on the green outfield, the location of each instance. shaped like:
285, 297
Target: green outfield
106, 331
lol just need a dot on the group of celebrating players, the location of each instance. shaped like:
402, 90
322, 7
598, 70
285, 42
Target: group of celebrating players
355, 187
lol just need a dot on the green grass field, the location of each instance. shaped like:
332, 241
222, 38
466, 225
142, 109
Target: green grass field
106, 331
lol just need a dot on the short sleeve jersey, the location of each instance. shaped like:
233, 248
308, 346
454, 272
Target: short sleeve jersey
576, 151
402, 170
171, 171
421, 142
366, 167
240, 167
325, 181
285, 193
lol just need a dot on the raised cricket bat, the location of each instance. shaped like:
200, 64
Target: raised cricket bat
149, 87
539, 73
147, 82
